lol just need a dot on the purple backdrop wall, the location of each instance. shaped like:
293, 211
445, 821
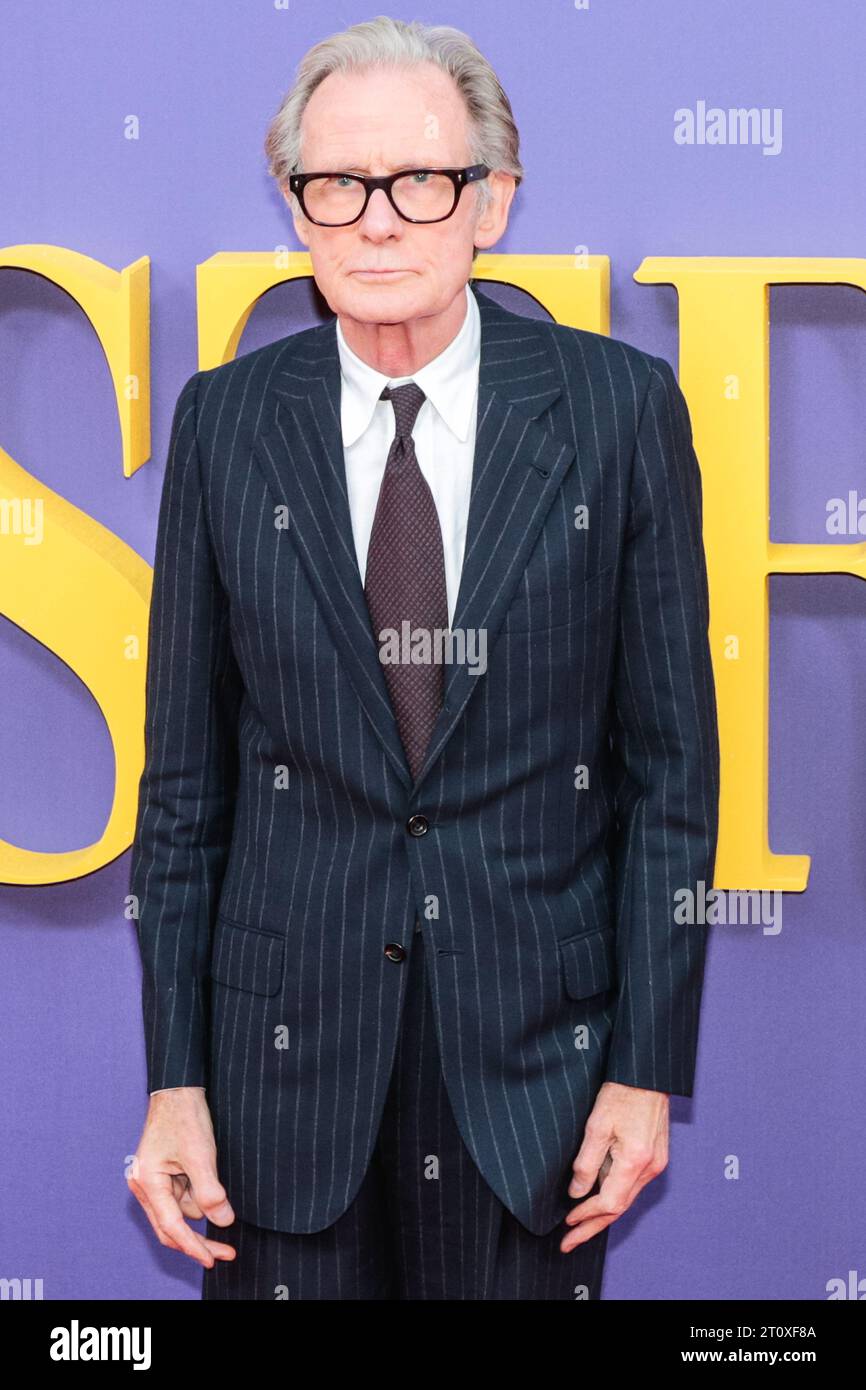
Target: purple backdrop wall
781, 1069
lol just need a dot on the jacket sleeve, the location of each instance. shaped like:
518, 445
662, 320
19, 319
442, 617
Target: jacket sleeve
187, 787
664, 743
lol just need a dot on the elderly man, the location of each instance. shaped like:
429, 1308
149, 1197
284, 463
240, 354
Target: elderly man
431, 743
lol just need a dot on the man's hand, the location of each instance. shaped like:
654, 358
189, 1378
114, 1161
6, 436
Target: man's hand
175, 1174
625, 1145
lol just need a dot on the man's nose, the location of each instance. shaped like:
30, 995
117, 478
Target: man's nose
379, 216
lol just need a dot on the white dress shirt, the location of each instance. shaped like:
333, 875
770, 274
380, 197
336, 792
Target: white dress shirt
444, 436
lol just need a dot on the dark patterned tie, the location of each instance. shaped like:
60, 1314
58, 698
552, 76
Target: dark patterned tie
405, 577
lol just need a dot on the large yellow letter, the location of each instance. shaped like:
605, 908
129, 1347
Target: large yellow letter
70, 582
725, 375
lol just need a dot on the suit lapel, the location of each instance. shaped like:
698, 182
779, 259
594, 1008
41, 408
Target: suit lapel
518, 468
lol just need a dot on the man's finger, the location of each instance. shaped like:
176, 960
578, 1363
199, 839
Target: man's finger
586, 1167
585, 1233
190, 1207
619, 1187
209, 1194
141, 1197
166, 1218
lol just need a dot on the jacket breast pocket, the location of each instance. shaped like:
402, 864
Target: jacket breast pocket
244, 957
588, 962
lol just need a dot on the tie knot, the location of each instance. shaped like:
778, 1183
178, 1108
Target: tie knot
407, 401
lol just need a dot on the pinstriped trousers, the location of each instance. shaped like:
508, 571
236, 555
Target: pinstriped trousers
424, 1224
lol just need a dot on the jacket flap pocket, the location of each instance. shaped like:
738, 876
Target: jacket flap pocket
589, 962
246, 957
540, 608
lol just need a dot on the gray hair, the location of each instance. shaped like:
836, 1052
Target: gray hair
380, 42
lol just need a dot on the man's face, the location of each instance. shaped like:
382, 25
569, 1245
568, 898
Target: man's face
374, 123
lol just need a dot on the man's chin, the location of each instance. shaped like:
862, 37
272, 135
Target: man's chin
377, 301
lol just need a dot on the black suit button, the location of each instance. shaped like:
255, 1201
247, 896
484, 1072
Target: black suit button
417, 825
394, 951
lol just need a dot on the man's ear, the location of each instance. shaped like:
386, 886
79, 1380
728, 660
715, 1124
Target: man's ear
494, 219
298, 218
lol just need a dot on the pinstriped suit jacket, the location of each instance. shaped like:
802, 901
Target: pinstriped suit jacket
272, 860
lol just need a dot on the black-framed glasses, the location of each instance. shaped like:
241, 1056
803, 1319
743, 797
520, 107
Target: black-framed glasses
335, 199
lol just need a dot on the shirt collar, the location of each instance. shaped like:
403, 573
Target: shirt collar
449, 382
